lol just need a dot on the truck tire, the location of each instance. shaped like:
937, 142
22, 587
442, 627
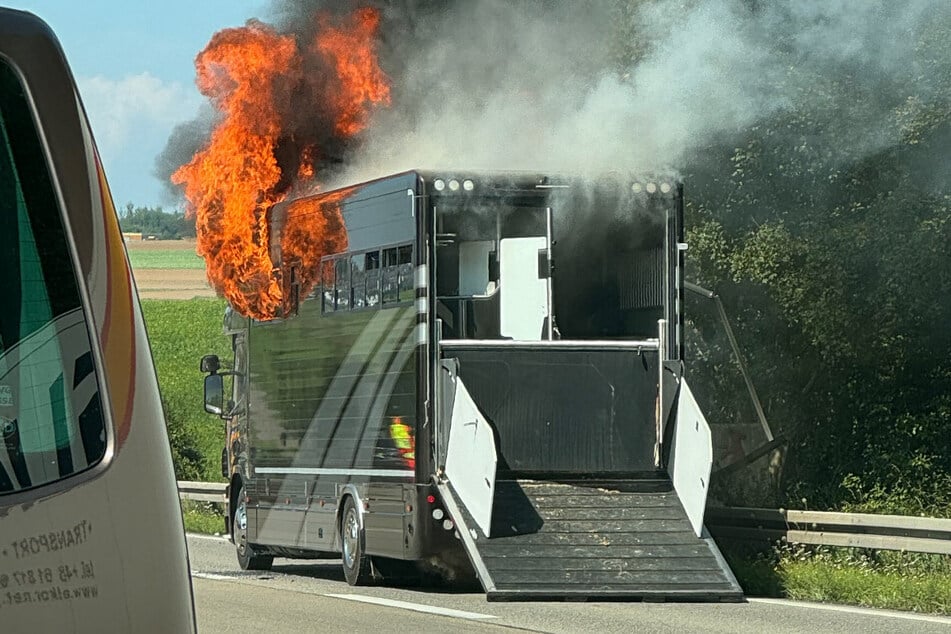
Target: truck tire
356, 564
248, 559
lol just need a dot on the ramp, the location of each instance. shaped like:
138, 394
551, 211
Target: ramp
578, 541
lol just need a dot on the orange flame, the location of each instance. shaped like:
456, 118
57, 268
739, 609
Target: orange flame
353, 56
254, 77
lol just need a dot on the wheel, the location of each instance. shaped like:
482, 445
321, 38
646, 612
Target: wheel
247, 558
356, 564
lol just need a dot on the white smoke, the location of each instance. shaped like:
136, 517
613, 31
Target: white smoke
511, 87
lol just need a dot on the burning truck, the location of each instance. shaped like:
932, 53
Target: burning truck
464, 373
482, 373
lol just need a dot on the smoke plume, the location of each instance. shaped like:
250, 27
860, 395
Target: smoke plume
591, 86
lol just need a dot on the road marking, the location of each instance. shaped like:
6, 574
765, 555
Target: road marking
416, 607
855, 610
212, 576
217, 538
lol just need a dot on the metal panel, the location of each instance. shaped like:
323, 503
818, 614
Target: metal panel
562, 410
691, 457
471, 457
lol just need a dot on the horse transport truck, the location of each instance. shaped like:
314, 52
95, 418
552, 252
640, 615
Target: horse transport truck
487, 379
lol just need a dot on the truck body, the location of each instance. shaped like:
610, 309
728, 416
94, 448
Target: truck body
487, 378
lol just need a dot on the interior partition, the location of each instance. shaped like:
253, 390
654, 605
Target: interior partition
565, 412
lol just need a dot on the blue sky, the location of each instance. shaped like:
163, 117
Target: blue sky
134, 63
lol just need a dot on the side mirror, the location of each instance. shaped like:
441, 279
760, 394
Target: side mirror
214, 393
210, 363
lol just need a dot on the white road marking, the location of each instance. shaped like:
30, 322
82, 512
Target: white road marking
217, 538
911, 616
416, 607
212, 576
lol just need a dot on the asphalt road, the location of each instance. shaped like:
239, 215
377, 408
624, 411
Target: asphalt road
312, 596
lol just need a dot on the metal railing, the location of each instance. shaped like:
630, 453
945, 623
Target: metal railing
851, 530
202, 491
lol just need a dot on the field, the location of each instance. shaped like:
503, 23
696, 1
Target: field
168, 269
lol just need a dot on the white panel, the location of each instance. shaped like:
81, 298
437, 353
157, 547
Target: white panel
471, 458
691, 457
474, 267
524, 297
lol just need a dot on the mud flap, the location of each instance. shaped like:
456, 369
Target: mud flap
691, 457
471, 457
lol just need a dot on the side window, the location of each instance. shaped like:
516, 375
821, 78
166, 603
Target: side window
51, 419
405, 255
358, 280
342, 284
373, 278
390, 274
327, 285
397, 274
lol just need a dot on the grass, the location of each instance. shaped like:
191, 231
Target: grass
202, 518
875, 579
165, 259
180, 333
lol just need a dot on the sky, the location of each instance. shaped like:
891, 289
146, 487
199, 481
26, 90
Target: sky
134, 63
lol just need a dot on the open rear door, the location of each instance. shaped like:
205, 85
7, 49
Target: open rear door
691, 457
471, 457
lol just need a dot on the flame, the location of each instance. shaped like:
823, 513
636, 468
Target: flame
313, 227
260, 81
352, 53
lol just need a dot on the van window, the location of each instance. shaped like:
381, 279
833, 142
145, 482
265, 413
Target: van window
51, 421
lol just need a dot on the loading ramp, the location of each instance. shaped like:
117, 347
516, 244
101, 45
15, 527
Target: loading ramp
621, 540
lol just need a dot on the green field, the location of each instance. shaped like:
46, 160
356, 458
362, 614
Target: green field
165, 259
180, 333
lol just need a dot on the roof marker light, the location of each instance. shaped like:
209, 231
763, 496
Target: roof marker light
651, 188
454, 185
468, 185
636, 188
665, 188
439, 184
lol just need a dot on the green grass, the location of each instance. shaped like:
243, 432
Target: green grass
875, 579
202, 518
180, 333
165, 259
822, 581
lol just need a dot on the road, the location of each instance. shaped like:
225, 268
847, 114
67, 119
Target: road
312, 596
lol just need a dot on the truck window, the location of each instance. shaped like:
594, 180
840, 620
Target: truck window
51, 419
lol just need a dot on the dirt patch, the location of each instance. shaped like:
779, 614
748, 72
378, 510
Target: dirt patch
169, 283
161, 245
172, 283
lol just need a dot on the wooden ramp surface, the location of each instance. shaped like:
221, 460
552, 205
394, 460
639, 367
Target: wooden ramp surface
615, 540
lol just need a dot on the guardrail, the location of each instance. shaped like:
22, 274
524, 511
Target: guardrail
852, 530
202, 491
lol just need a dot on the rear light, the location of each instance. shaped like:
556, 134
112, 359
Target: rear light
438, 514
431, 499
448, 524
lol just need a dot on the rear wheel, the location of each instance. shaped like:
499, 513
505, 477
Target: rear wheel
356, 564
248, 559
